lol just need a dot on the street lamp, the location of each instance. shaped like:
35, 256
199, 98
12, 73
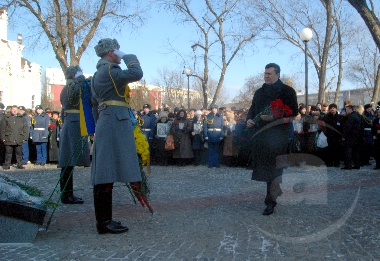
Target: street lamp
306, 34
188, 73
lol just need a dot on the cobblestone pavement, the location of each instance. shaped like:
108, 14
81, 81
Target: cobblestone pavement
215, 214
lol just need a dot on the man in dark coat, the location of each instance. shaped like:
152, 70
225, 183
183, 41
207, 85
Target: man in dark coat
114, 156
25, 144
149, 122
333, 130
271, 134
13, 134
2, 147
353, 137
213, 131
74, 150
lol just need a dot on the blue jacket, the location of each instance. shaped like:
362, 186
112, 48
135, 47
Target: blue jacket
213, 127
149, 123
40, 128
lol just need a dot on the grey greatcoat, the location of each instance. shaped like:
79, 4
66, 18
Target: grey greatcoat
114, 156
70, 141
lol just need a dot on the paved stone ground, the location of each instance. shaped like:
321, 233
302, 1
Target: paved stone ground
216, 214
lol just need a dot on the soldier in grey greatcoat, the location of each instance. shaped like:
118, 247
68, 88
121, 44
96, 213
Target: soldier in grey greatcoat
114, 157
74, 150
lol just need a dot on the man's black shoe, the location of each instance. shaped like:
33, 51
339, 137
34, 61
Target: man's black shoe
5, 168
376, 168
21, 167
72, 200
269, 210
111, 227
356, 167
346, 168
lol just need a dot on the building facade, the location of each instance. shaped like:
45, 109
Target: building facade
20, 79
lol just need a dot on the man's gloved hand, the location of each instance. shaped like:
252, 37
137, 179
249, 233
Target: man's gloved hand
118, 53
206, 138
79, 73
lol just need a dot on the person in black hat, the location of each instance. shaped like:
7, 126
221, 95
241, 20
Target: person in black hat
25, 144
13, 134
39, 134
333, 129
213, 131
368, 117
149, 122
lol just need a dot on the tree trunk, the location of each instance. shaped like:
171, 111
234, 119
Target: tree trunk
377, 86
340, 57
326, 48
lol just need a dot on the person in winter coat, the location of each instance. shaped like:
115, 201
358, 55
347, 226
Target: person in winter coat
181, 130
13, 133
25, 144
114, 156
229, 145
368, 117
333, 124
376, 138
271, 134
197, 133
73, 150
161, 131
213, 131
54, 132
353, 137
147, 127
39, 134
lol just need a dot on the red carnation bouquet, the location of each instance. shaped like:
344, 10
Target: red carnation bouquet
277, 108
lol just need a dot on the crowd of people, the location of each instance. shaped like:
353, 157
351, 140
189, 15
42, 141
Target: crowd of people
209, 136
28, 136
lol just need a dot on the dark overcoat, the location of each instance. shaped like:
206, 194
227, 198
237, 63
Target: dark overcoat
73, 149
114, 156
184, 149
353, 130
270, 139
13, 129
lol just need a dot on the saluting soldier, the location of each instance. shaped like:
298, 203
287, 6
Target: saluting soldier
114, 157
213, 130
39, 134
73, 149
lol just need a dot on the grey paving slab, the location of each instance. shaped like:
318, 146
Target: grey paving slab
215, 214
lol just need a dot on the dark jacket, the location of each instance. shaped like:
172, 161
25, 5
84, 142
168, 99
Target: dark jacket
353, 130
14, 129
271, 138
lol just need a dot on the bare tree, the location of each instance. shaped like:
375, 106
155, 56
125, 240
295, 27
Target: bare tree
224, 29
69, 26
287, 19
369, 17
172, 82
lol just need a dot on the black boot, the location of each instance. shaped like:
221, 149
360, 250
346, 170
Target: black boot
103, 211
67, 192
273, 191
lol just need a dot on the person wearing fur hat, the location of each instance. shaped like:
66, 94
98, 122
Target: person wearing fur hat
213, 131
70, 136
114, 156
181, 130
